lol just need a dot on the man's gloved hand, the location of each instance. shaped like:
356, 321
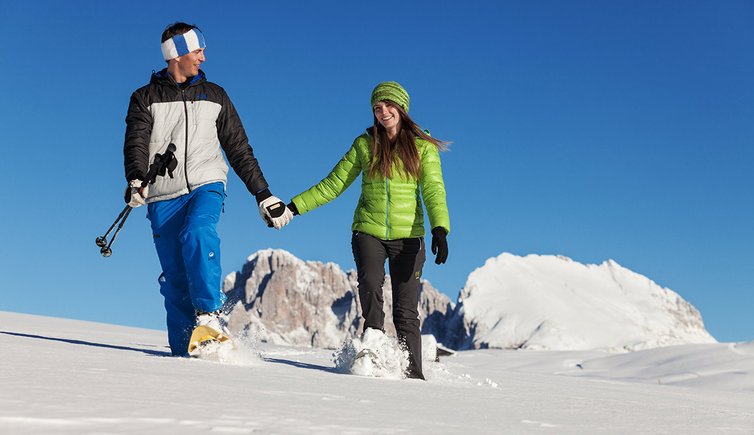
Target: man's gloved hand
136, 195
439, 244
274, 212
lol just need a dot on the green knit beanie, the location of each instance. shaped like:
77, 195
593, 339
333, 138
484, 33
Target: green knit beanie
390, 91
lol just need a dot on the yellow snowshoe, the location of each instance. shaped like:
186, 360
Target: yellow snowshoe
203, 337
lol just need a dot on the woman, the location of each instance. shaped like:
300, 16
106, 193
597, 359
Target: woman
400, 165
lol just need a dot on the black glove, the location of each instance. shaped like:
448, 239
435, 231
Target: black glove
439, 244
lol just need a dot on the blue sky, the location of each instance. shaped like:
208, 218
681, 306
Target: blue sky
593, 130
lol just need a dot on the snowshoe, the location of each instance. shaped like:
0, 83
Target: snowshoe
205, 338
209, 336
366, 363
368, 353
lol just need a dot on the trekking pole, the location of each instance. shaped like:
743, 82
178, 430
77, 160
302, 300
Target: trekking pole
106, 251
102, 240
162, 163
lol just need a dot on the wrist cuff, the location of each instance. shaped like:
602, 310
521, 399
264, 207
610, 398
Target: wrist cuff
436, 231
261, 196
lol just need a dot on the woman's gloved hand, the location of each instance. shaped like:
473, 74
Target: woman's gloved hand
439, 244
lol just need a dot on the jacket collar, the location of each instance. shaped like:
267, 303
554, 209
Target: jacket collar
164, 78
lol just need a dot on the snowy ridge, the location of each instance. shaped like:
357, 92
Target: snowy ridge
542, 302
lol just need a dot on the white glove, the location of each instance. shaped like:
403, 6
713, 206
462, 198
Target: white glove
274, 212
135, 194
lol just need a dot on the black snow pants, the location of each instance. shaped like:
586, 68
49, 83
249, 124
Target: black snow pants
406, 258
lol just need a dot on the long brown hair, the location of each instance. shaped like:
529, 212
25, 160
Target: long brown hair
403, 147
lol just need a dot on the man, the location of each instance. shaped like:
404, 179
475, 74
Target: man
180, 107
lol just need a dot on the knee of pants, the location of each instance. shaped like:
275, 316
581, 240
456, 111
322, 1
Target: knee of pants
177, 298
200, 243
371, 282
173, 286
405, 316
171, 259
371, 293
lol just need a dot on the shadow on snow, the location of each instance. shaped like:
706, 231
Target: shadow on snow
89, 343
302, 365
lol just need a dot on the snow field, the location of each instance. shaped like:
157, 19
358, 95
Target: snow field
71, 377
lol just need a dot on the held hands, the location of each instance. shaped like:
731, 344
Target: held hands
439, 244
274, 212
136, 195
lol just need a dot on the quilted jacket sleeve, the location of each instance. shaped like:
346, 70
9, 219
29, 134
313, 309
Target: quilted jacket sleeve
433, 187
235, 143
138, 132
342, 175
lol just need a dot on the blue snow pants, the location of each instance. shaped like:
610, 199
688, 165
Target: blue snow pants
185, 235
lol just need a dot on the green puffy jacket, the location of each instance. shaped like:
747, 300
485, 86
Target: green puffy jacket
389, 208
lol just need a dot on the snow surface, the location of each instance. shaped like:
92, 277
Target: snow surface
384, 356
72, 377
547, 302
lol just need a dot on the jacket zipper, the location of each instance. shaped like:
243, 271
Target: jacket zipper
387, 209
185, 149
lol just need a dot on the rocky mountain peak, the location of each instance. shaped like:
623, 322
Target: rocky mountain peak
279, 298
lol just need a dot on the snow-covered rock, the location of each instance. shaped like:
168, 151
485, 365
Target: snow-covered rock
537, 302
543, 302
282, 299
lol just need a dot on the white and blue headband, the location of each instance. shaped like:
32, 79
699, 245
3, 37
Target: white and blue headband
179, 45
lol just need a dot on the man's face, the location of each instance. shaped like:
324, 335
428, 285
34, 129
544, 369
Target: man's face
188, 64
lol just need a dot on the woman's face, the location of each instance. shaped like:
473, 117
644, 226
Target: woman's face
387, 115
